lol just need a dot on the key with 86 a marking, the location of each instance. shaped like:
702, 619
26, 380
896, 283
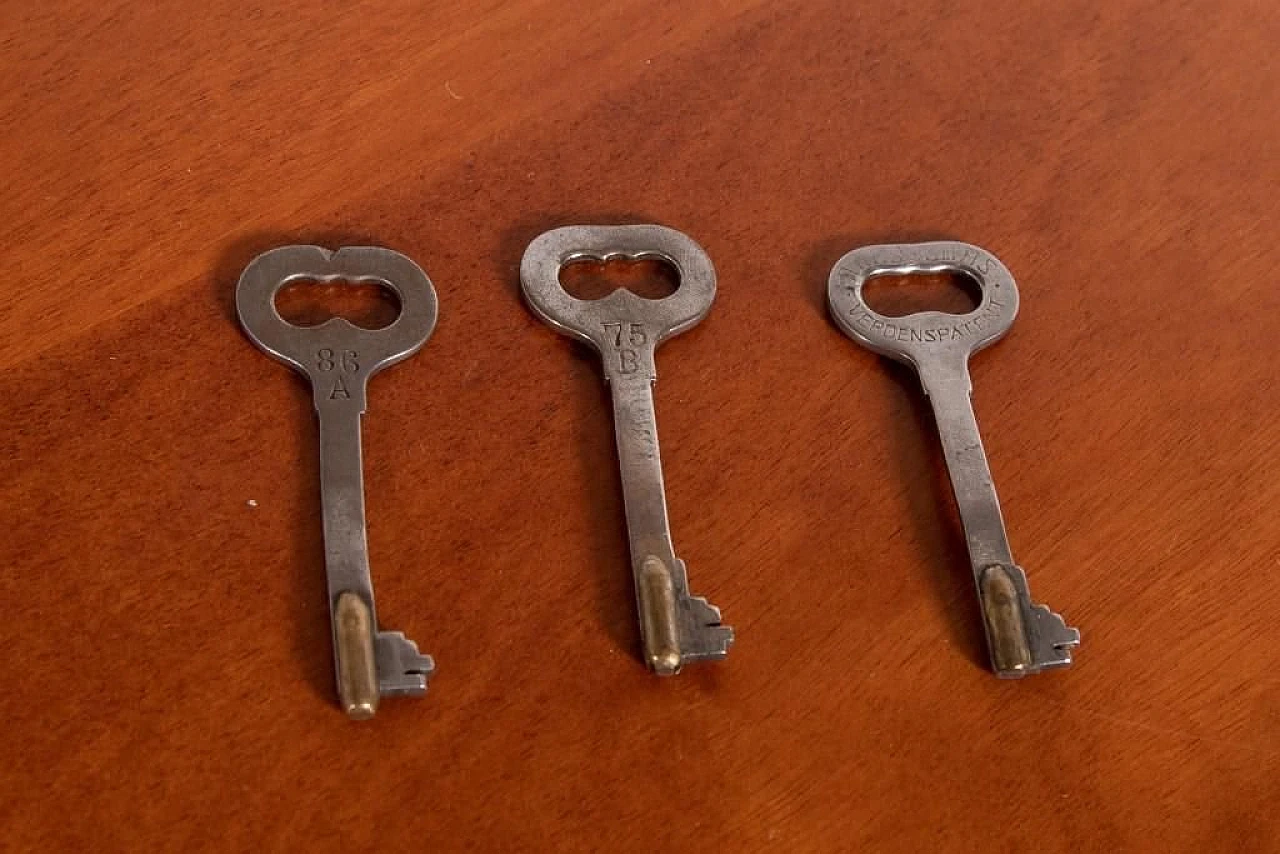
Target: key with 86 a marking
338, 358
675, 627
1022, 636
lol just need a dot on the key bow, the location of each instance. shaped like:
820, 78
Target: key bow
927, 334
300, 346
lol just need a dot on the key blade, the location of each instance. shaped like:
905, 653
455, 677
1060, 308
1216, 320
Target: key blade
703, 637
402, 670
1052, 639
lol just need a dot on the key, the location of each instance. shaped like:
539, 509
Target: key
1022, 637
338, 358
675, 627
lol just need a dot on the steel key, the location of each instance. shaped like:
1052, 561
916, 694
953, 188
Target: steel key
338, 358
675, 627
1022, 636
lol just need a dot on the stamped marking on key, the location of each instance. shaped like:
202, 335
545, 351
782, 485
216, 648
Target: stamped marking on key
625, 329
958, 330
1022, 637
338, 358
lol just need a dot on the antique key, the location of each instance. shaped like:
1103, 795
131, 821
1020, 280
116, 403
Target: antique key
1022, 636
339, 357
625, 329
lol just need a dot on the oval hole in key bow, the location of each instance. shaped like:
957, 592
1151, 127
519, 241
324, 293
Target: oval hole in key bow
901, 294
592, 278
366, 303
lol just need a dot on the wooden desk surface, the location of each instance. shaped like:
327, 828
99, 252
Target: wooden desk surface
166, 636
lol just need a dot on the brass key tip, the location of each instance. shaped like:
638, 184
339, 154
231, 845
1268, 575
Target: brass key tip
1010, 653
357, 664
362, 711
658, 617
666, 663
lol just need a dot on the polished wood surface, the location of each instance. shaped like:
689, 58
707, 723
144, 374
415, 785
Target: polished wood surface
166, 636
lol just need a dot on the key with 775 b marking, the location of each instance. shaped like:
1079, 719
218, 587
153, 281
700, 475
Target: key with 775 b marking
1022, 636
625, 329
339, 357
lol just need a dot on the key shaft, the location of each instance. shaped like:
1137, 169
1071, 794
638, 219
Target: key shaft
653, 558
950, 395
346, 549
346, 555
640, 463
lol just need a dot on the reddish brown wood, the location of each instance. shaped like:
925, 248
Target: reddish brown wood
166, 637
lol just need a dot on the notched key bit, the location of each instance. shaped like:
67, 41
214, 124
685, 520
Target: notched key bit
675, 626
338, 358
1022, 636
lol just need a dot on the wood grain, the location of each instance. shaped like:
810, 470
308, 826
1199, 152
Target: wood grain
166, 634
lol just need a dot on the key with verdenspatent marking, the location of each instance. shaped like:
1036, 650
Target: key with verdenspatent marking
1022, 636
338, 358
625, 329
